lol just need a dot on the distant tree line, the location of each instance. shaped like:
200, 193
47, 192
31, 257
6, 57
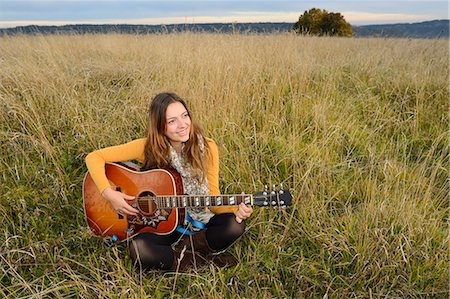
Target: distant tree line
429, 29
320, 22
243, 28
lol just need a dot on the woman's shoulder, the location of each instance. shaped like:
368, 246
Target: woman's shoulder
139, 141
209, 140
211, 143
213, 149
136, 146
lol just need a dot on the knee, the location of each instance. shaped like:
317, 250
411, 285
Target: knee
236, 228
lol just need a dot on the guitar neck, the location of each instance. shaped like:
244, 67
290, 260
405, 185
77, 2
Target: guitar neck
198, 201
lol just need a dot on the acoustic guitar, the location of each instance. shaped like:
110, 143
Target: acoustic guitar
159, 198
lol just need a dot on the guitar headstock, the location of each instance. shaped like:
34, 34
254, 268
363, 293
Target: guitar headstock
277, 197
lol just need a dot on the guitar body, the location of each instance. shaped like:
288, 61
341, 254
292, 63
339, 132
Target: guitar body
160, 200
103, 220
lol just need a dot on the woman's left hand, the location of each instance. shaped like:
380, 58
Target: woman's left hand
243, 212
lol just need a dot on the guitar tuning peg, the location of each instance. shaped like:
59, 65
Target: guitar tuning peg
281, 191
266, 189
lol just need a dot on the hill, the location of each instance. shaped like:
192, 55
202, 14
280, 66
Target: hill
429, 29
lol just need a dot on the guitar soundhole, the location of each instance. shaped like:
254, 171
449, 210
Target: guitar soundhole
146, 204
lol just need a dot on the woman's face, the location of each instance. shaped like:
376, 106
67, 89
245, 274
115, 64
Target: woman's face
178, 124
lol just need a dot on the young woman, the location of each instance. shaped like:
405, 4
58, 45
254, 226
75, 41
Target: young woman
174, 140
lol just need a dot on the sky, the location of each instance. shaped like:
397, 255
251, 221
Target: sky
363, 12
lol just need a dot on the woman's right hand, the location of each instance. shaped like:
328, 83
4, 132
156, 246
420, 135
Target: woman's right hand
117, 201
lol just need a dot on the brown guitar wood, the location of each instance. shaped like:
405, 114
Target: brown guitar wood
103, 220
152, 188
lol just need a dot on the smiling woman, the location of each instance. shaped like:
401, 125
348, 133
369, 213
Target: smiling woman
178, 125
174, 141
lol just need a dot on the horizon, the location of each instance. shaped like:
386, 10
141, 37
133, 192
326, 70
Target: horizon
211, 23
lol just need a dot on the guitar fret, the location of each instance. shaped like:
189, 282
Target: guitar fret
186, 201
167, 202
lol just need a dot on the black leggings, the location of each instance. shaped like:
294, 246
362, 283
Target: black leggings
154, 251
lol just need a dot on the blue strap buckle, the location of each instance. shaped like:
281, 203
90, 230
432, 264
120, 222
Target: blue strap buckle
194, 223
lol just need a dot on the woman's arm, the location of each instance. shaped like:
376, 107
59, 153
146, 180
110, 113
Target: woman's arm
213, 177
95, 162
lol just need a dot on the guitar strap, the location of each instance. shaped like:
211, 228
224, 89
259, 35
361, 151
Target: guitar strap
191, 222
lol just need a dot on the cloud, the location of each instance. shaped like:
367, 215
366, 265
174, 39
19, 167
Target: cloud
238, 17
359, 18
37, 12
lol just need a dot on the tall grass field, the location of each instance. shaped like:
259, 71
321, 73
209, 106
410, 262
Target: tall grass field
357, 129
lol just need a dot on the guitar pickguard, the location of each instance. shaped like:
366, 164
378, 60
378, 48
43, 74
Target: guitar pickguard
149, 220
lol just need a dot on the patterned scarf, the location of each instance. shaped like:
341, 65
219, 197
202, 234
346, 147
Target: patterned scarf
192, 185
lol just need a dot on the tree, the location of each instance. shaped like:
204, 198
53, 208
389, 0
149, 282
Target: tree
320, 22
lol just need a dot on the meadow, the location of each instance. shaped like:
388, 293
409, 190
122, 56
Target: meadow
356, 128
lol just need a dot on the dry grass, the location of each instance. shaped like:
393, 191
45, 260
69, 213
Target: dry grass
358, 128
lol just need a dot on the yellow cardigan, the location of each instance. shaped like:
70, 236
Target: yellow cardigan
134, 150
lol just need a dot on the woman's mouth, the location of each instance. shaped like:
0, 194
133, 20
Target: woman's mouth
183, 132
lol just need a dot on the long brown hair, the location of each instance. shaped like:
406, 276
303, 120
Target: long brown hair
157, 145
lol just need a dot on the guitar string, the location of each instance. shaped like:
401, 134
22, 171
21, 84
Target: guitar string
160, 200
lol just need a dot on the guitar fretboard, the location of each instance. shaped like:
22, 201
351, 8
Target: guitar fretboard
196, 201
